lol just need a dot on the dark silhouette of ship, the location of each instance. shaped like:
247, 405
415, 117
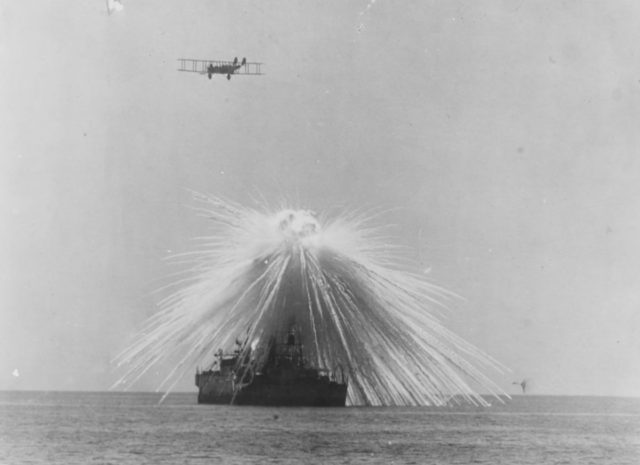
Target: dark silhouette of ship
284, 379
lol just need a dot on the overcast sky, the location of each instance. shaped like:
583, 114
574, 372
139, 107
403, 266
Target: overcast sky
503, 135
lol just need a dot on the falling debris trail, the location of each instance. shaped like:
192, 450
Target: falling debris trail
337, 282
361, 26
369, 6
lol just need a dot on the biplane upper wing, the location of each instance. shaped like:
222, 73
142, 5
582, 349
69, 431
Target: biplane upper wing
250, 67
200, 66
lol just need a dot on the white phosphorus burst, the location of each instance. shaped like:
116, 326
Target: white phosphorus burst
337, 282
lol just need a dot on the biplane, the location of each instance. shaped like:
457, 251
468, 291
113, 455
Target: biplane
211, 67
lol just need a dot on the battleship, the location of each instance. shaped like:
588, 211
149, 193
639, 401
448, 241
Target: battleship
285, 379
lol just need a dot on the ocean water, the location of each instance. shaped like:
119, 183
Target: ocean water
133, 428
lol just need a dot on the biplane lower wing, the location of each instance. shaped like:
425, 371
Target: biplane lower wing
220, 67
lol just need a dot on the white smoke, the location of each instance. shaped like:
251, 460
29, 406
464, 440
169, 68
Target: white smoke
335, 280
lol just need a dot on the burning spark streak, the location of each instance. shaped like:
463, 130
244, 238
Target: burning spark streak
261, 274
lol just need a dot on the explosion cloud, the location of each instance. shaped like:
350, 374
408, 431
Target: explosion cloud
338, 283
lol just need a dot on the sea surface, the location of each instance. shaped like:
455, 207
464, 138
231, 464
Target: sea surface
134, 428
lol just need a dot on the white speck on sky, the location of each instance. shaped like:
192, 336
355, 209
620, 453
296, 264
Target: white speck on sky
113, 6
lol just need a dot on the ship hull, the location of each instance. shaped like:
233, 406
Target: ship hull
267, 391
284, 378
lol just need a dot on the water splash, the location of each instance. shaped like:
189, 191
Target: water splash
335, 281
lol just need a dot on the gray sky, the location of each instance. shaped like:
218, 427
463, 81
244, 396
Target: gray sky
504, 135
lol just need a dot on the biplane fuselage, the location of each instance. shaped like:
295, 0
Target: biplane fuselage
224, 69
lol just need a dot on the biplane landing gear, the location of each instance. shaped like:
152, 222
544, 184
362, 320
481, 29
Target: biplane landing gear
228, 77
